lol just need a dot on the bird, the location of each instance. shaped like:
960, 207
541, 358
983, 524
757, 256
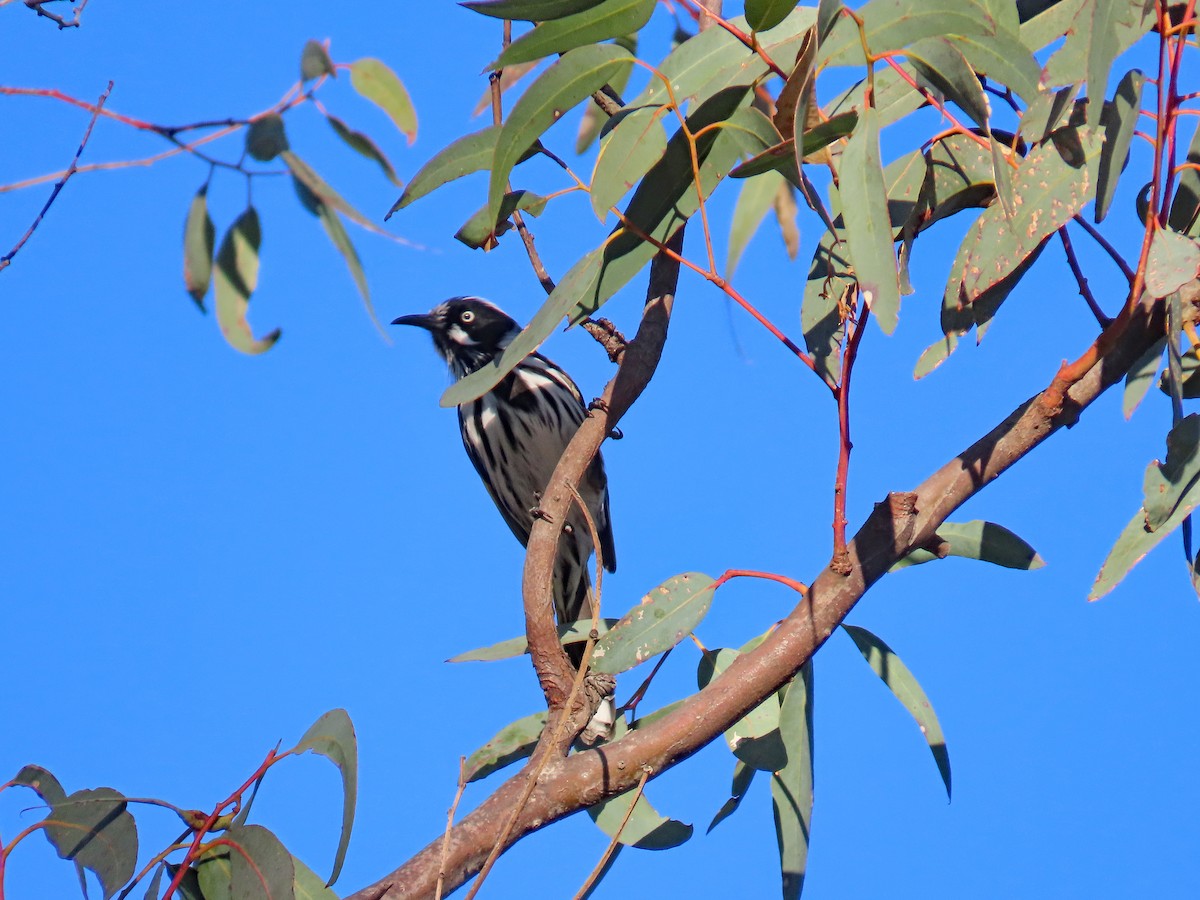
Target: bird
516, 433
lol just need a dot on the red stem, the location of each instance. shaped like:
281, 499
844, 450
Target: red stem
845, 444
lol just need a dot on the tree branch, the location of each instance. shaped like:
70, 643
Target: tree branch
900, 523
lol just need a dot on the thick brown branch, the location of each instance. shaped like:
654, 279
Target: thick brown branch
902, 522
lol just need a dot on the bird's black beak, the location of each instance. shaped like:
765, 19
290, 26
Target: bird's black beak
421, 320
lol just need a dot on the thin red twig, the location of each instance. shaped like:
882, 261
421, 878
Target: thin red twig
841, 560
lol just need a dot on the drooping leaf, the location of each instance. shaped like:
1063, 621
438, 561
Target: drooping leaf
943, 68
754, 738
827, 293
1102, 50
93, 829
1184, 215
1174, 261
900, 681
363, 145
305, 173
627, 153
574, 77
154, 884
236, 279
315, 62
514, 741
199, 238
756, 198
332, 736
530, 10
1134, 542
1141, 376
743, 775
308, 884
934, 355
1168, 484
471, 153
336, 232
479, 231
1002, 58
570, 633
792, 785
984, 541
764, 14
608, 19
786, 209
1119, 121
594, 117
662, 619
868, 230
266, 138
376, 82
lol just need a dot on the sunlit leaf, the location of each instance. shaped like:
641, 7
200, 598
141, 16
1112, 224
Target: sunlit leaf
479, 231
199, 238
895, 24
942, 67
934, 355
93, 829
514, 741
570, 633
530, 10
594, 117
900, 681
308, 884
984, 541
574, 77
363, 145
662, 619
627, 153
332, 736
470, 153
1002, 58
1134, 542
608, 19
266, 138
235, 280
376, 82
868, 231
315, 62
1119, 119
792, 786
1174, 261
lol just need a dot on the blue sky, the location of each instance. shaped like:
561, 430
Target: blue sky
202, 551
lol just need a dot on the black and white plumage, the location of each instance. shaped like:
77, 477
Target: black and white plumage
515, 435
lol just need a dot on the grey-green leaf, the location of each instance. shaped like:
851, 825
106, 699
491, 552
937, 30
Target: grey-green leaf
260, 866
764, 14
570, 633
376, 82
530, 10
868, 228
470, 153
236, 279
266, 138
900, 681
757, 197
1141, 376
942, 66
665, 616
627, 153
315, 62
792, 785
479, 231
754, 738
1174, 261
363, 145
573, 78
743, 775
199, 238
984, 541
308, 884
1132, 545
94, 829
1119, 121
514, 741
609, 19
1170, 483
332, 736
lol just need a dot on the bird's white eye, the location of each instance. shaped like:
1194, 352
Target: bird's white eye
466, 317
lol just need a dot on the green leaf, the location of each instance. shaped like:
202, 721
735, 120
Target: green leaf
1185, 205
1174, 261
42, 783
315, 62
900, 681
1141, 376
530, 10
363, 145
265, 138
942, 66
93, 829
576, 75
308, 885
608, 19
764, 14
374, 81
934, 355
984, 541
155, 883
570, 633
479, 231
471, 153
514, 741
895, 24
341, 241
305, 173
1101, 31
1168, 484
332, 736
664, 617
259, 865
782, 157
757, 197
792, 786
1050, 191
1002, 58
868, 230
743, 775
236, 279
646, 828
1134, 542
189, 886
754, 738
1119, 121
826, 292
594, 117
199, 237
627, 153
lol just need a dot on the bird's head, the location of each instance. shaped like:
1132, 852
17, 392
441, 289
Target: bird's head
467, 331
